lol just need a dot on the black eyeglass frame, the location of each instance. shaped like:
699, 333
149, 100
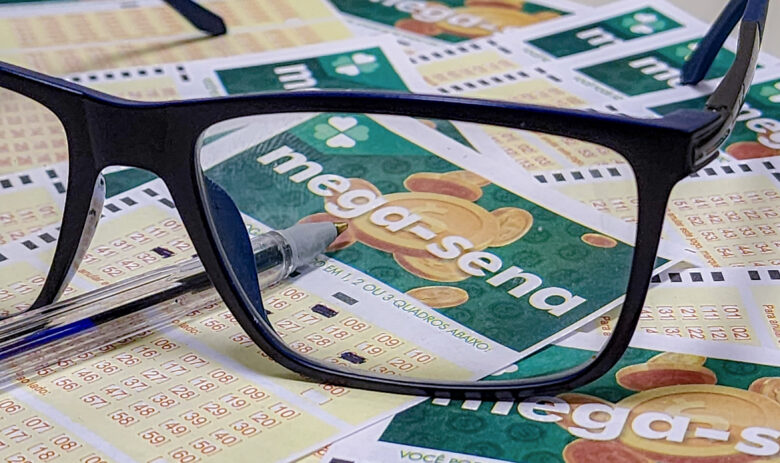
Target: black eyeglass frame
104, 131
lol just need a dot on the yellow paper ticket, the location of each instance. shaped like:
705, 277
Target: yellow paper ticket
139, 231
31, 200
724, 313
220, 395
159, 399
729, 212
736, 306
31, 430
194, 399
44, 138
485, 68
458, 63
79, 36
30, 135
211, 397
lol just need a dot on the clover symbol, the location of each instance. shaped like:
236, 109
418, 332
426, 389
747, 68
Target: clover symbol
644, 23
772, 92
685, 50
355, 64
341, 132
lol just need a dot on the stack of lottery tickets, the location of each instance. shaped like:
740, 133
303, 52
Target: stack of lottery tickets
699, 384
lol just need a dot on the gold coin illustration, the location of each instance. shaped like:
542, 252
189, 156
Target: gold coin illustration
418, 27
675, 358
467, 177
513, 224
427, 182
440, 297
493, 19
769, 387
590, 451
344, 240
431, 268
514, 4
717, 407
653, 375
441, 215
598, 240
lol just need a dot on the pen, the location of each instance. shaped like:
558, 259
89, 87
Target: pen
33, 340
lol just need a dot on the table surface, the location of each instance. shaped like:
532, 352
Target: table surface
708, 10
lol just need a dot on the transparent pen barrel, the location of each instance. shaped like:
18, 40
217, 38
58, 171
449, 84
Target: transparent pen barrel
116, 314
273, 258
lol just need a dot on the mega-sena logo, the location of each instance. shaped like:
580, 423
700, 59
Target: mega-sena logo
677, 414
421, 229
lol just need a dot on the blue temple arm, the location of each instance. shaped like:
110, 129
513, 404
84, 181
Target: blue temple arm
699, 63
199, 16
729, 95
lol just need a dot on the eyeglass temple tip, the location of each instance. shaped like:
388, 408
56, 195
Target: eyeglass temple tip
199, 16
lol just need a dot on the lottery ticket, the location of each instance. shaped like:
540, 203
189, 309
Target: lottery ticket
418, 24
248, 352
44, 142
364, 63
164, 397
731, 306
727, 212
370, 62
635, 69
30, 135
610, 189
621, 22
756, 133
33, 430
31, 200
589, 79
666, 400
367, 62
144, 83
190, 417
201, 389
62, 38
485, 68
139, 231
234, 162
488, 67
478, 68
278, 300
329, 411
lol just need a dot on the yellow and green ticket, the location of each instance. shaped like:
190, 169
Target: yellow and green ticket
667, 399
67, 37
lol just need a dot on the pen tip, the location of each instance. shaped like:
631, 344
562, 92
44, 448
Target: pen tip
341, 227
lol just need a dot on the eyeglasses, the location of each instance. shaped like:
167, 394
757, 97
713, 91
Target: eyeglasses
463, 275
